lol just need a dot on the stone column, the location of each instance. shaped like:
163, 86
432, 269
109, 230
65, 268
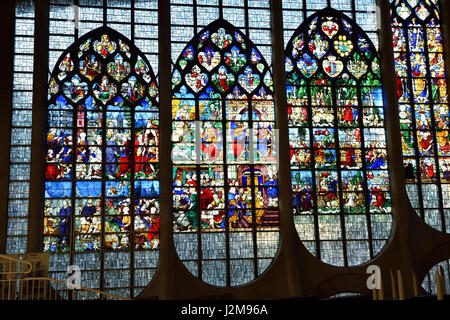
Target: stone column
38, 127
167, 252
288, 234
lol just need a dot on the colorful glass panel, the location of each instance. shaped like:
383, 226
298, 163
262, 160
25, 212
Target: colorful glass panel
423, 108
225, 189
102, 159
340, 182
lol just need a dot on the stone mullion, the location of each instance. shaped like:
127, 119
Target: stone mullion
288, 235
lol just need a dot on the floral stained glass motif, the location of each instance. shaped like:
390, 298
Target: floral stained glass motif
225, 190
339, 168
102, 159
423, 108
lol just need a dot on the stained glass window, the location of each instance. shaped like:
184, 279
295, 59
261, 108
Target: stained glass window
21, 122
340, 182
101, 208
225, 191
423, 108
429, 282
363, 12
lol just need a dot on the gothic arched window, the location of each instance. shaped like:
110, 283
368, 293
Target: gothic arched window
225, 191
423, 108
340, 182
101, 208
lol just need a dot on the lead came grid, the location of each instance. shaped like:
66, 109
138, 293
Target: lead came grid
20, 152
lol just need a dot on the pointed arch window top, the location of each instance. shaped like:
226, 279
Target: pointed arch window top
219, 62
103, 66
328, 46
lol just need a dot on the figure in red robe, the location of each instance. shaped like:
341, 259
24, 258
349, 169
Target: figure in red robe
139, 157
348, 115
124, 159
206, 198
380, 201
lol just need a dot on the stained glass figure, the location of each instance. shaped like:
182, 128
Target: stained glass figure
340, 182
421, 86
102, 171
225, 189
